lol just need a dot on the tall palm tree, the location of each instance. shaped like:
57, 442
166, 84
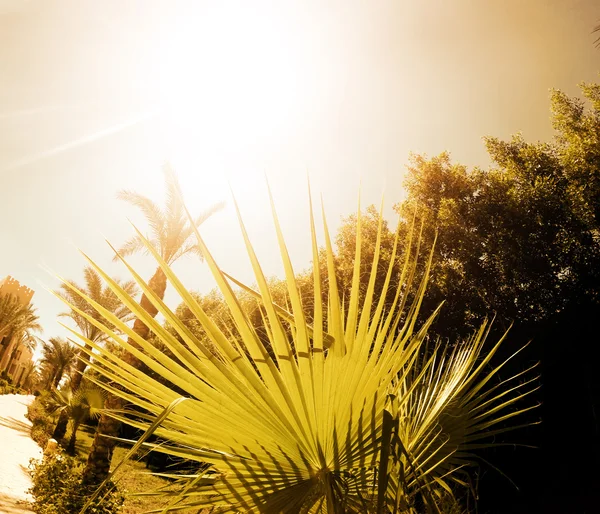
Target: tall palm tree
10, 310
107, 299
172, 236
30, 375
15, 320
24, 340
58, 356
103, 296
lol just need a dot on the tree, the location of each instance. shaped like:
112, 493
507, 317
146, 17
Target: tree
172, 236
84, 403
70, 292
24, 340
16, 320
58, 356
103, 296
522, 239
10, 311
30, 376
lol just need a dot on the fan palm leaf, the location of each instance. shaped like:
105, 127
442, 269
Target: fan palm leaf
298, 425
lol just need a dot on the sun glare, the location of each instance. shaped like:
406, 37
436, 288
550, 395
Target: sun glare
228, 87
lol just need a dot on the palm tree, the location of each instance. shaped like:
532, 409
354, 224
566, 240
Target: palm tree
10, 310
15, 320
30, 375
104, 297
23, 340
58, 356
78, 406
172, 236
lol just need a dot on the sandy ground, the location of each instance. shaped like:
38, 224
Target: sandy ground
16, 448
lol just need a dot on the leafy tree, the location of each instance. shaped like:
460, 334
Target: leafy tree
172, 236
521, 239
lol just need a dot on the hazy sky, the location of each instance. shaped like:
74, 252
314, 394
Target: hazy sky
96, 95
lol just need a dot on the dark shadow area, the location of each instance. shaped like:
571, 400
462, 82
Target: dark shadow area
561, 475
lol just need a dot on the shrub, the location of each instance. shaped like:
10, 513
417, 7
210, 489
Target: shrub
57, 488
7, 387
42, 424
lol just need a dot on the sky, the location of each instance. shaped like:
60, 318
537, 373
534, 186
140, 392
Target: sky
96, 96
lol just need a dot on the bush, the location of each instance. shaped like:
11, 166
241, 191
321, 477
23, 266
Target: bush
57, 488
7, 387
42, 423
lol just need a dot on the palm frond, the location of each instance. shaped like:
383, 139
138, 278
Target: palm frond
133, 245
298, 424
151, 211
175, 212
207, 213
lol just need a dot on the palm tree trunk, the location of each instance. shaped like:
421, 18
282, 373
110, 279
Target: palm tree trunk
25, 377
11, 358
73, 439
77, 373
61, 426
7, 350
99, 458
158, 284
5, 340
57, 377
76, 376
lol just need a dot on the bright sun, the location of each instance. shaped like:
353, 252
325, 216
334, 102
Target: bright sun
229, 85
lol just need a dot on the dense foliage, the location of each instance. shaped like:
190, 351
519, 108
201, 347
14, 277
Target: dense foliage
57, 488
41, 420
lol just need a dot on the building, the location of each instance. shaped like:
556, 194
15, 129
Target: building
16, 357
12, 286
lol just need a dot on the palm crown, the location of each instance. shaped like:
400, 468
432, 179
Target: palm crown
172, 233
101, 295
16, 317
58, 355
